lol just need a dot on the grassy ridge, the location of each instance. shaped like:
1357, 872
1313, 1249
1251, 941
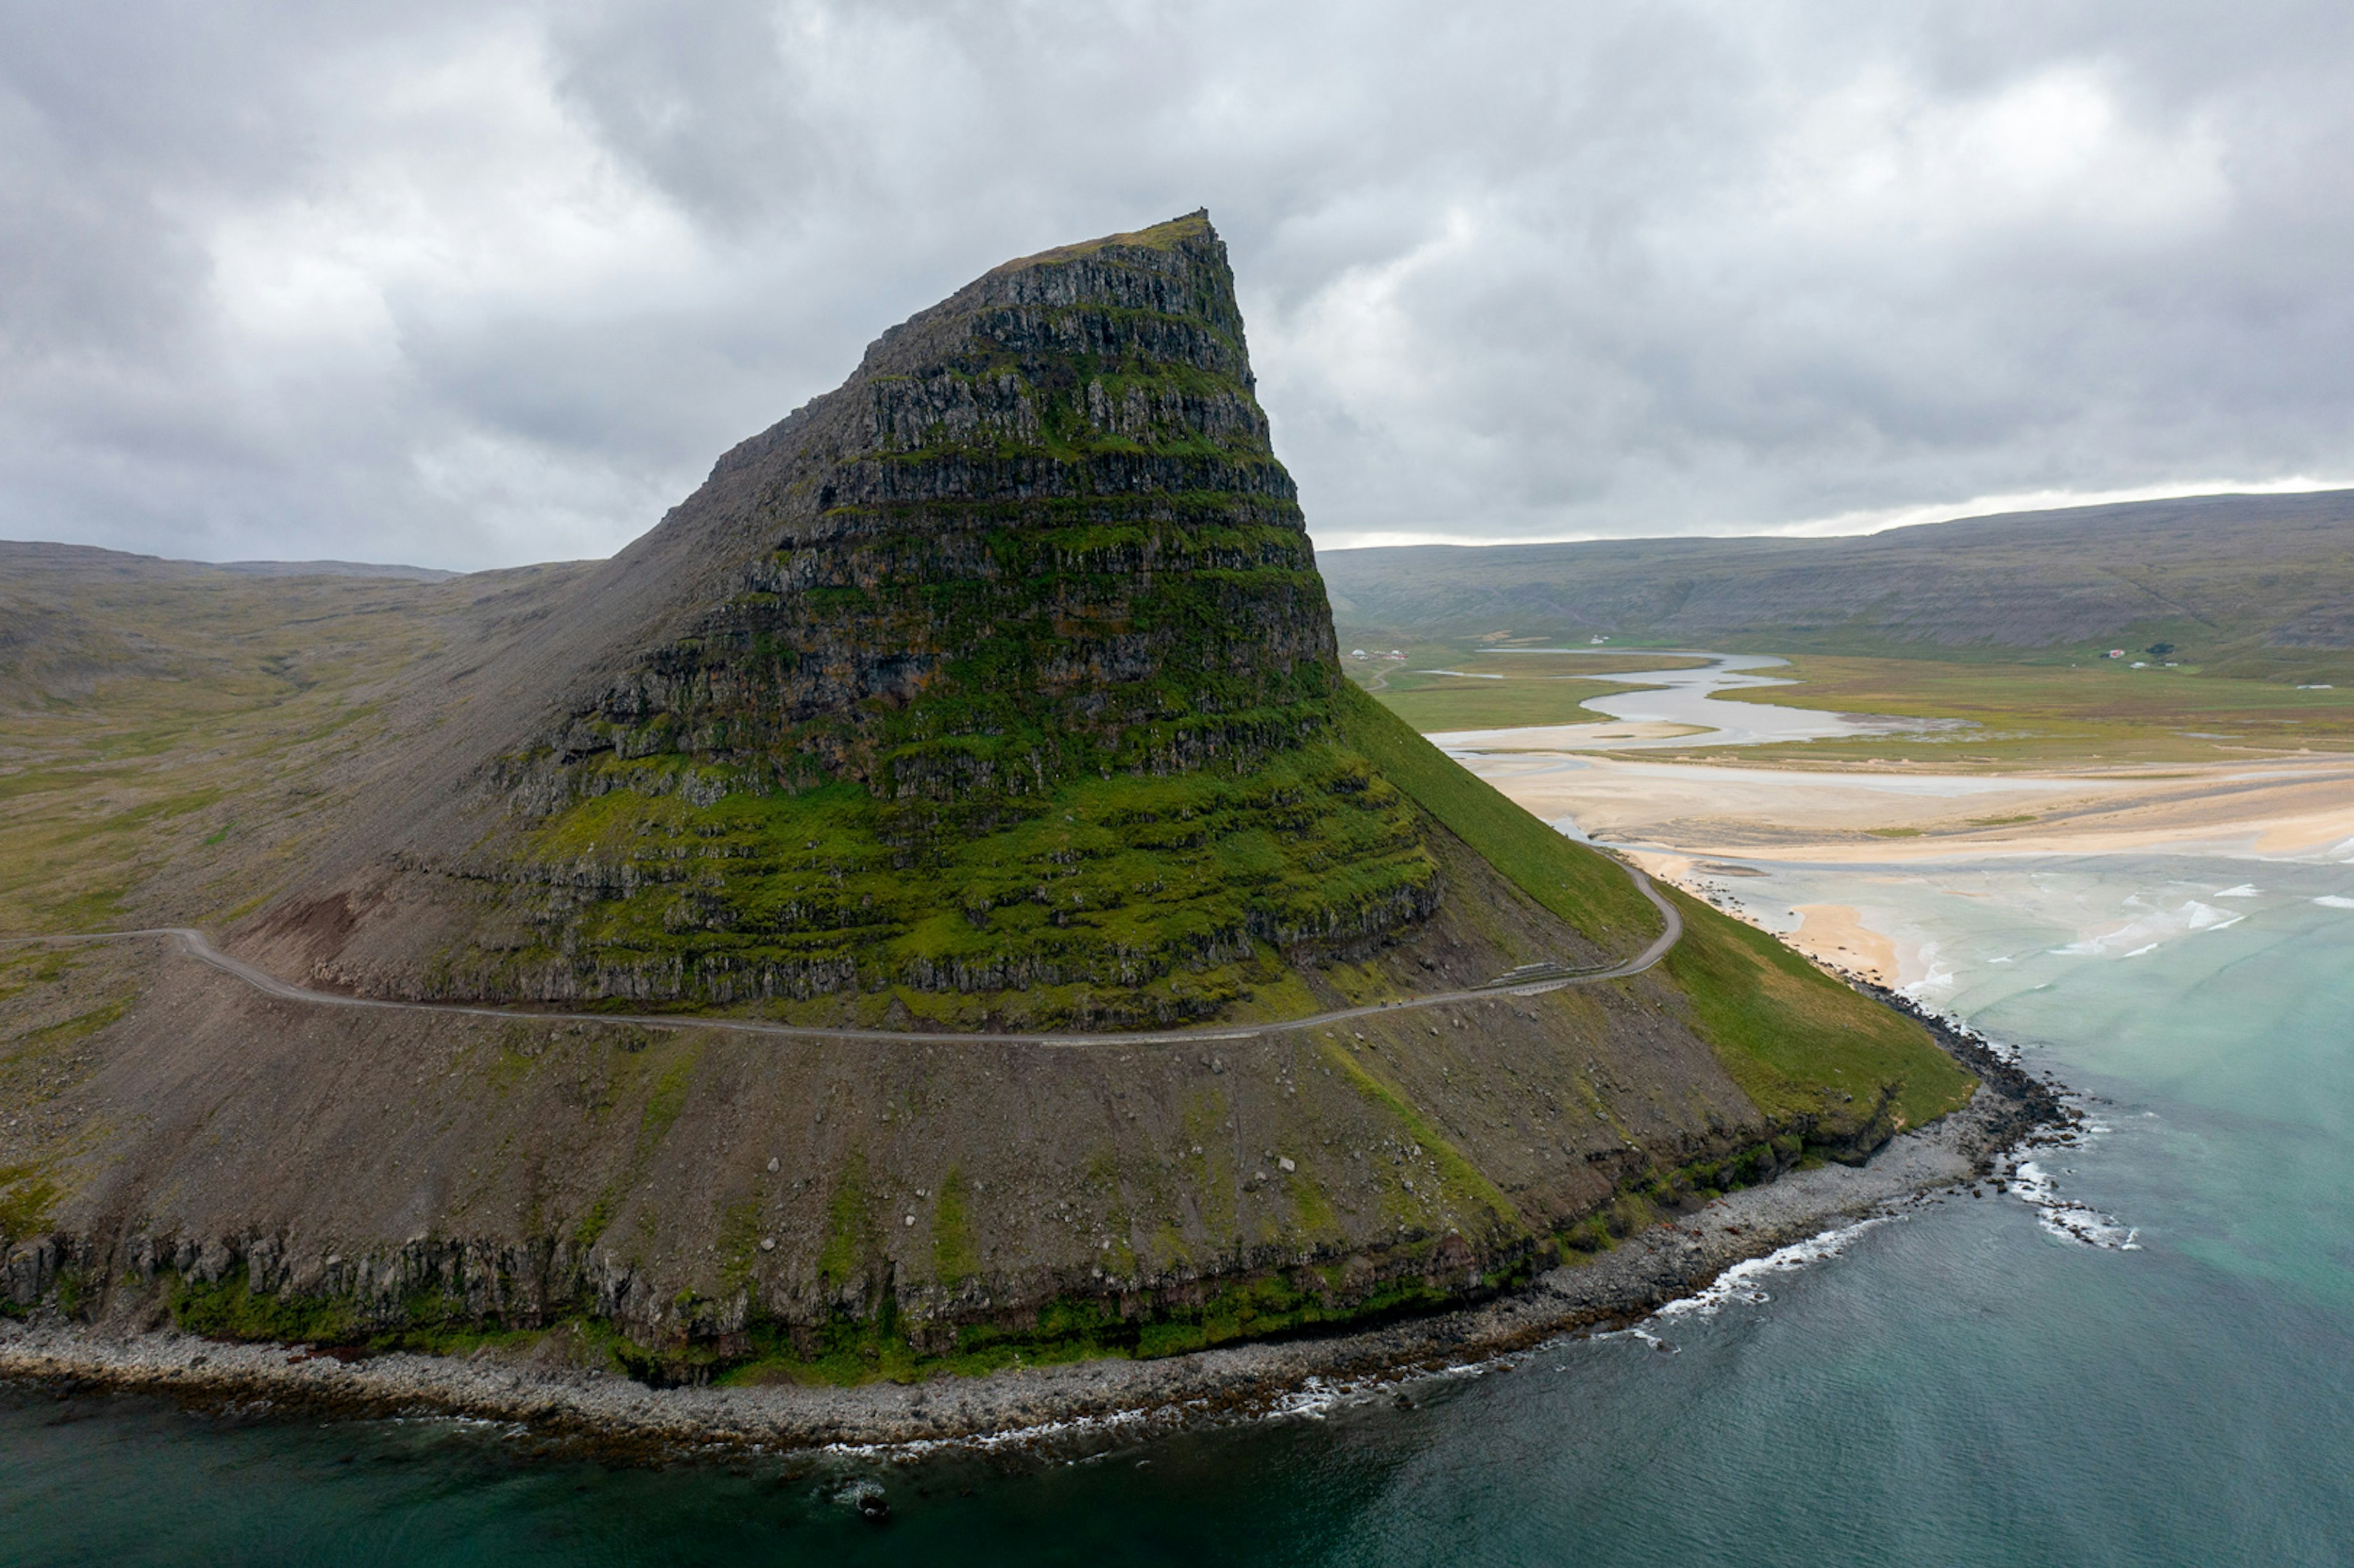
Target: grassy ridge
1799, 1044
2247, 586
1584, 888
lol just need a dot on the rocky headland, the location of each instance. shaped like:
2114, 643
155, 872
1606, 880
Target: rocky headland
989, 705
544, 1386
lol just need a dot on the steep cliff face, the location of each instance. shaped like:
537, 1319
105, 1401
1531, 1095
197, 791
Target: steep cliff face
1004, 668
996, 688
1040, 534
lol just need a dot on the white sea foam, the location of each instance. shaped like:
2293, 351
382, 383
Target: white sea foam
1010, 1438
1937, 980
1740, 1283
2245, 890
1318, 1398
2132, 938
2332, 901
2065, 1218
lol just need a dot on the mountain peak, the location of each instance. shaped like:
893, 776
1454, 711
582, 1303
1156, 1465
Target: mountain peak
1004, 667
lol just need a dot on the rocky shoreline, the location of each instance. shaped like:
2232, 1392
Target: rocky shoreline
1669, 1260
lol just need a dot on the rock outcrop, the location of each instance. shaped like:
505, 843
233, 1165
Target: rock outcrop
1004, 669
994, 691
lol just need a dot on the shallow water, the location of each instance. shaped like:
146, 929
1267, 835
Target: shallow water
1688, 698
1959, 1385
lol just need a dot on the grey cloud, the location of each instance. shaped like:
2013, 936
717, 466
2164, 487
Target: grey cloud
470, 284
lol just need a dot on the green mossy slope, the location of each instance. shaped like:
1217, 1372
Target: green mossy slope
1024, 679
1582, 886
1148, 890
1805, 1047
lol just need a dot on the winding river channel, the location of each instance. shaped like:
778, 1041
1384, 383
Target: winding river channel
1681, 707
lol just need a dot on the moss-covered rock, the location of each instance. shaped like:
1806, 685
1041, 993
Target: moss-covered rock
1027, 680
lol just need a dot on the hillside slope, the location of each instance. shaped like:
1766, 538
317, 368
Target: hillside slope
996, 690
1001, 672
2251, 584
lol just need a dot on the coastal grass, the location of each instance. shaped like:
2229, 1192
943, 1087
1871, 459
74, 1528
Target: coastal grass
1435, 702
879, 1347
431, 1323
1581, 885
852, 1348
2043, 715
1807, 1049
1440, 687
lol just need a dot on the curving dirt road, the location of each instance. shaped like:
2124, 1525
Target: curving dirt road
192, 943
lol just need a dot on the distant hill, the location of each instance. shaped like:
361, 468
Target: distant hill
2246, 584
333, 569
90, 562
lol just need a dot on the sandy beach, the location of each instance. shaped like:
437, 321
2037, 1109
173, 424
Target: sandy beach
1835, 935
2291, 809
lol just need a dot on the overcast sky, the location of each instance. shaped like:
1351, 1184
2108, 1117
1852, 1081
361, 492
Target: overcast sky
474, 284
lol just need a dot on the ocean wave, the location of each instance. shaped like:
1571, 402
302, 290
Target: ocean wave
2150, 931
2245, 890
1318, 1398
1008, 1437
2332, 901
1936, 983
2063, 1217
1740, 1282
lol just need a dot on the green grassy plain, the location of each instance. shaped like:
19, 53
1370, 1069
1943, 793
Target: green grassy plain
1800, 1043
2055, 714
1442, 687
1981, 713
155, 725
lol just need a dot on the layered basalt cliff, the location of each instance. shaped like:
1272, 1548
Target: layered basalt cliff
994, 692
1010, 672
1040, 534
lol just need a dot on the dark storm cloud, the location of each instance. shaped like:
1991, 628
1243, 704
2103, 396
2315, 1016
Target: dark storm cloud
474, 284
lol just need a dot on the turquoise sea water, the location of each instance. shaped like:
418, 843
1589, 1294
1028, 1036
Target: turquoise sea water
1961, 1385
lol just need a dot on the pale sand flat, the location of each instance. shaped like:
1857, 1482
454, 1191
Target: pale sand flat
1565, 737
1835, 935
2292, 808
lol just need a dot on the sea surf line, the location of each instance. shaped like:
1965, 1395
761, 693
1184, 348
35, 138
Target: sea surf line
192, 943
